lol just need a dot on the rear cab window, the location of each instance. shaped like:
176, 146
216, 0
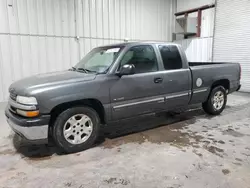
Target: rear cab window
170, 57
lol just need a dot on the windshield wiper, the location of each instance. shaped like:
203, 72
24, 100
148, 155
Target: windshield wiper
72, 69
85, 70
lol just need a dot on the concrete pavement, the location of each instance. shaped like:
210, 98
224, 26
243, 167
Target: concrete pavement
188, 150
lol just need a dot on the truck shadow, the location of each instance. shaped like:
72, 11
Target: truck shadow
27, 149
120, 129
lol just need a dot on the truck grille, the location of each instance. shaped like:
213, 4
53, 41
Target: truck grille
12, 109
13, 96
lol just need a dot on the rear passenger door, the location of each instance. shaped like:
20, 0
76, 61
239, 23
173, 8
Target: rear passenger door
176, 77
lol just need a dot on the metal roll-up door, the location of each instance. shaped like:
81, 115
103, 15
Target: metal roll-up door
232, 36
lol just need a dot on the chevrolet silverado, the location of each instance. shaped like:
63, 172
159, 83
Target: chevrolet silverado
115, 83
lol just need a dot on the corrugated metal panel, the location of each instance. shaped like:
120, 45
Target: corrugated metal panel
22, 56
115, 19
232, 36
198, 49
38, 36
118, 19
38, 17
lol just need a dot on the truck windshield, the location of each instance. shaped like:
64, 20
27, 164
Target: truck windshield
98, 60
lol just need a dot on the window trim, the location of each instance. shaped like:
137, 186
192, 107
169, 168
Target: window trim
156, 58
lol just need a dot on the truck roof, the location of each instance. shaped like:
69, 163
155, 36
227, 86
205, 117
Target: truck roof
137, 43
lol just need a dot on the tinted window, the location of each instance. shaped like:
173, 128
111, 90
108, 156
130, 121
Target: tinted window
171, 57
142, 57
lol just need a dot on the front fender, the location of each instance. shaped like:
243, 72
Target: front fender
74, 99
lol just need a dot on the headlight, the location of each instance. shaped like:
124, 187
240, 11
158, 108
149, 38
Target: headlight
26, 100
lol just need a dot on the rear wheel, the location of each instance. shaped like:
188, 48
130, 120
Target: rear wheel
76, 129
216, 101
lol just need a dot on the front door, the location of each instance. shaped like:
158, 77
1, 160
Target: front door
137, 94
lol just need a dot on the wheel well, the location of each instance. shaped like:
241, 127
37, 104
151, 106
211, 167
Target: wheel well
93, 103
224, 82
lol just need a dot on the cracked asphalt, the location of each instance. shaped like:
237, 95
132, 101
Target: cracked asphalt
191, 149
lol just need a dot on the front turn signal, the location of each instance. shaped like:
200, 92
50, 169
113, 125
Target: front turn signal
28, 113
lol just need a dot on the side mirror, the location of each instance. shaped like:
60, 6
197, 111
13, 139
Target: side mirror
127, 70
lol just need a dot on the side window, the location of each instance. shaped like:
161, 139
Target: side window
142, 57
171, 57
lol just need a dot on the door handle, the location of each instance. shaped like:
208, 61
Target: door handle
158, 80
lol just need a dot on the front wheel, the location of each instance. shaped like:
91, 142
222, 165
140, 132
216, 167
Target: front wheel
216, 101
76, 129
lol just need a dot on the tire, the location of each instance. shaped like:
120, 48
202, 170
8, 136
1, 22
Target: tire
75, 125
215, 109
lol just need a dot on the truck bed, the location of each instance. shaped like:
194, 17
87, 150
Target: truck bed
204, 74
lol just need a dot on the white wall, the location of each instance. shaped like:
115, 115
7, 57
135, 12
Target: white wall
199, 49
232, 36
38, 36
193, 46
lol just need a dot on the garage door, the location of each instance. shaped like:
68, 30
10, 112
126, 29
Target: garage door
232, 36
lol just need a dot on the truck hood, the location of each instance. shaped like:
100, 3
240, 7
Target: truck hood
44, 82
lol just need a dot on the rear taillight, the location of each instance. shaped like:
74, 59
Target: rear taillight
240, 72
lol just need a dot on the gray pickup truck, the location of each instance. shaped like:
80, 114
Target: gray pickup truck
111, 84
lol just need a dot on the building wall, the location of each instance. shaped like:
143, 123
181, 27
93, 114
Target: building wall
232, 36
193, 45
38, 36
199, 49
189, 4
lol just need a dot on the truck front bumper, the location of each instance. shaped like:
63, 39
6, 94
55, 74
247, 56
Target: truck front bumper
35, 130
